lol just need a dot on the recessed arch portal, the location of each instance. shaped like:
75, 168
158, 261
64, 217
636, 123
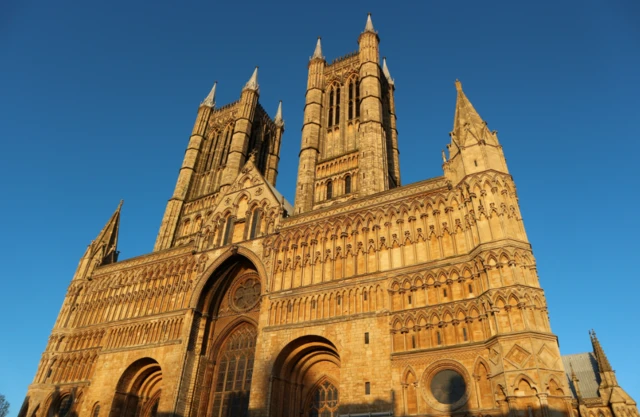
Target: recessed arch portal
305, 370
138, 391
224, 333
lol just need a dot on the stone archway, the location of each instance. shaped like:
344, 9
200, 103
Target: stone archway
223, 341
138, 390
306, 379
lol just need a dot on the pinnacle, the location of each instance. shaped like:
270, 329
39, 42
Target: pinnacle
317, 53
252, 84
210, 100
385, 71
603, 361
466, 114
369, 26
278, 119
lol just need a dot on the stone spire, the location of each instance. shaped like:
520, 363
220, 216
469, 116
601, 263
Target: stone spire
317, 53
252, 84
103, 249
210, 100
385, 71
468, 126
279, 121
473, 147
369, 26
603, 361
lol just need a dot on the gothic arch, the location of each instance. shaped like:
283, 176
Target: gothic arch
138, 390
233, 251
300, 366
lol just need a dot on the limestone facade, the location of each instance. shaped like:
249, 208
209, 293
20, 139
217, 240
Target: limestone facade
364, 297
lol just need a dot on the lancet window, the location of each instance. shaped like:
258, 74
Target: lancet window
234, 373
334, 106
354, 99
256, 220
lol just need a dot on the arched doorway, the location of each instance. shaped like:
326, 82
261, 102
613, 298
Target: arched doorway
138, 390
226, 329
306, 379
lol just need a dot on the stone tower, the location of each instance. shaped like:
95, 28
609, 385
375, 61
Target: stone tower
222, 140
349, 137
368, 299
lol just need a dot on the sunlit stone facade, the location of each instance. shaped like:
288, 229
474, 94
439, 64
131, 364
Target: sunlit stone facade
365, 296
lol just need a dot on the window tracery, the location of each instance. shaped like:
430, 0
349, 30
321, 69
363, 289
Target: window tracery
324, 401
234, 373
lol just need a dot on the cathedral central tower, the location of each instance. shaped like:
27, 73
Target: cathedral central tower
349, 137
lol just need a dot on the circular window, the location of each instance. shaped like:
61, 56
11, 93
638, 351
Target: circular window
448, 386
246, 294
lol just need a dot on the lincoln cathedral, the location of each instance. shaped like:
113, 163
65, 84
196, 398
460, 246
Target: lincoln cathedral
366, 297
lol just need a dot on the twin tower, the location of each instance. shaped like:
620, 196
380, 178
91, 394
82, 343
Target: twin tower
349, 137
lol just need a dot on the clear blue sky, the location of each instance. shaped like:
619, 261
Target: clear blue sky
98, 100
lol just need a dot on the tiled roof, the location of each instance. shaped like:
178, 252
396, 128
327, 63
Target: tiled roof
585, 367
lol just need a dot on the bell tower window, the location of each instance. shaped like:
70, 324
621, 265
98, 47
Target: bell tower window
329, 190
331, 107
347, 184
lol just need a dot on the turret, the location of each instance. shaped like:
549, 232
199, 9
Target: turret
274, 151
311, 132
393, 153
473, 148
242, 131
372, 142
185, 177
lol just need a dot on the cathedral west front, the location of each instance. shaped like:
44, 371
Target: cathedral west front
366, 297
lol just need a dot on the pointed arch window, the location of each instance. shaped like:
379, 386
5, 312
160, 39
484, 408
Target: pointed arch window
228, 230
256, 220
358, 98
334, 106
329, 190
234, 373
354, 99
324, 401
337, 105
224, 152
331, 107
347, 184
211, 150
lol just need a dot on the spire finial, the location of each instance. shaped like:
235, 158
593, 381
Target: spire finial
317, 53
252, 84
385, 71
601, 357
278, 119
210, 100
458, 85
369, 26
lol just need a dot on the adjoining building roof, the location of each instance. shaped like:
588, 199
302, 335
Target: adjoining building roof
585, 367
